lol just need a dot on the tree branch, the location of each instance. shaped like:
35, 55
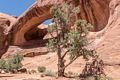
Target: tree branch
65, 54
51, 35
70, 62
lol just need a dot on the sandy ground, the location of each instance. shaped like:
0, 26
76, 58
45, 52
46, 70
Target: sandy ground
28, 77
50, 62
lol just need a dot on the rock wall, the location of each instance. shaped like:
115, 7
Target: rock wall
96, 12
109, 45
5, 22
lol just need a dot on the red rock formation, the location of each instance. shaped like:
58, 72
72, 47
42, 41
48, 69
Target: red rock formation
109, 45
5, 22
31, 18
107, 41
94, 11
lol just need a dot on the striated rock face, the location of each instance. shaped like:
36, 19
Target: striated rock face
5, 22
109, 45
94, 11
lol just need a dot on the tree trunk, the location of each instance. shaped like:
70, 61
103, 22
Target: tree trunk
60, 64
61, 68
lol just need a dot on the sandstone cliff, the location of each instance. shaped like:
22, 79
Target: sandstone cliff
109, 46
5, 23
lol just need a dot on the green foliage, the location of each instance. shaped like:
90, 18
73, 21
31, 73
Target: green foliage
12, 64
73, 39
15, 61
78, 39
2, 63
8, 67
41, 69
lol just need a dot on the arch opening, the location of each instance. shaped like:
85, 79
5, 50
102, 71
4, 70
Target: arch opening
35, 34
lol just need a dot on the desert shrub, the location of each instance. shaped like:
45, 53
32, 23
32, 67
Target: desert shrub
8, 67
13, 64
94, 70
2, 63
41, 69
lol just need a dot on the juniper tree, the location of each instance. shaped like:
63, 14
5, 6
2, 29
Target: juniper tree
70, 36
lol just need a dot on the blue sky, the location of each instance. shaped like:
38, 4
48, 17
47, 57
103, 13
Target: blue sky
16, 7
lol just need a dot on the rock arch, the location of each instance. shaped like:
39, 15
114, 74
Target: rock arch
94, 11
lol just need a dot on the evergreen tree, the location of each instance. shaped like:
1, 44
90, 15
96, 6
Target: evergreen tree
71, 36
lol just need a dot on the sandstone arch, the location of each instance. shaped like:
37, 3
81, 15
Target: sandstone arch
94, 11
31, 18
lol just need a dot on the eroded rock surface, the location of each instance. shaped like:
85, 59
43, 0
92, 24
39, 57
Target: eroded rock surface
28, 20
94, 11
5, 22
109, 46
